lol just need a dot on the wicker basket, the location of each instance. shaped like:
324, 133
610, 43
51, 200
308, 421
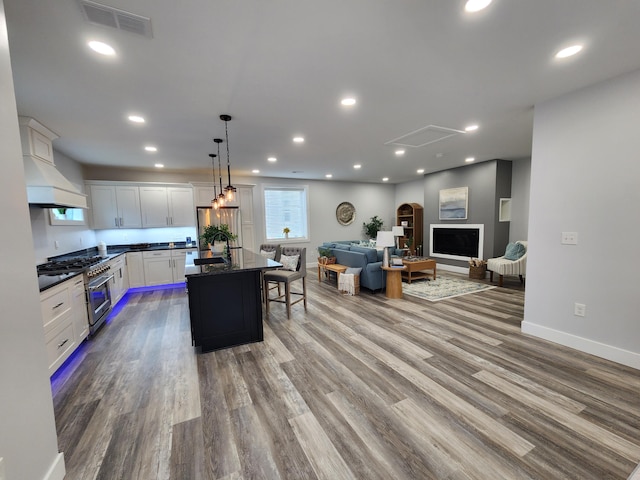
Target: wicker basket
356, 284
477, 272
326, 260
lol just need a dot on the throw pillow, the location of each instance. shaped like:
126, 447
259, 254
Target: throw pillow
353, 270
514, 251
289, 262
270, 255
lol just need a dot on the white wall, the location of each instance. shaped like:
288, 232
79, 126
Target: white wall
28, 440
585, 178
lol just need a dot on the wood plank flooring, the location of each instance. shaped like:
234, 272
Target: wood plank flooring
359, 387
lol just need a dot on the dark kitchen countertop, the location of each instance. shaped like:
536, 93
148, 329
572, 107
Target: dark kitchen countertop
241, 260
47, 281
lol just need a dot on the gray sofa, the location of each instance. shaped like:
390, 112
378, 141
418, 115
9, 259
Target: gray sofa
369, 259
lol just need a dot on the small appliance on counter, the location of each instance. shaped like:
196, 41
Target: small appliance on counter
102, 249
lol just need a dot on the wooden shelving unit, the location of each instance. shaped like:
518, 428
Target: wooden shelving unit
411, 213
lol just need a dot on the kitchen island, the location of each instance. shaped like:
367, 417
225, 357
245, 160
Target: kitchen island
225, 303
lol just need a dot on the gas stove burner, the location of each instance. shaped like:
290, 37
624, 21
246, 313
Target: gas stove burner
67, 265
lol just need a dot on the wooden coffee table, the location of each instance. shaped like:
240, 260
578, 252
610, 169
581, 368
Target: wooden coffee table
415, 269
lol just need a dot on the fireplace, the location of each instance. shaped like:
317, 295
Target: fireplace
457, 242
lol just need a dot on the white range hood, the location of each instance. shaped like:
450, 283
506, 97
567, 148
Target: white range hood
46, 186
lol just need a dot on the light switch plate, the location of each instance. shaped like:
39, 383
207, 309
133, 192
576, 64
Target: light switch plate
569, 238
579, 309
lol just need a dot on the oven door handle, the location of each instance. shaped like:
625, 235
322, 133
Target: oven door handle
98, 285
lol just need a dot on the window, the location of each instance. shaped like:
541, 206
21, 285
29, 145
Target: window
286, 207
66, 216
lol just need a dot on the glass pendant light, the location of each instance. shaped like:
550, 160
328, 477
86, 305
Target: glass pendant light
214, 201
221, 197
230, 189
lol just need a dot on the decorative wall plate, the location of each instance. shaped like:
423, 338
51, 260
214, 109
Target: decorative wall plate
345, 213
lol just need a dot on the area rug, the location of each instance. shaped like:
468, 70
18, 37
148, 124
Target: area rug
443, 287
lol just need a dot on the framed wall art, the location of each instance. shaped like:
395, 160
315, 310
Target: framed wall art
345, 213
454, 203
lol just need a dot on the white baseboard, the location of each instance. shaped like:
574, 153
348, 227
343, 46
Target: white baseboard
608, 352
452, 268
57, 470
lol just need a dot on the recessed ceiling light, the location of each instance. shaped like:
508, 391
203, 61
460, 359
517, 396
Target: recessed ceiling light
101, 48
298, 139
385, 179
357, 166
159, 165
420, 170
151, 148
272, 159
136, 119
348, 102
469, 159
476, 5
328, 175
255, 171
569, 51
471, 128
399, 153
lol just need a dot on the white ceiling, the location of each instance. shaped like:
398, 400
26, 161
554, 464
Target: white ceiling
281, 67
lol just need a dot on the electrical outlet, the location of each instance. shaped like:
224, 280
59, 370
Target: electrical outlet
56, 244
569, 238
80, 241
579, 309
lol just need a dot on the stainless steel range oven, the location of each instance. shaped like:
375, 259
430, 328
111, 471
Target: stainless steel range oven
96, 279
98, 295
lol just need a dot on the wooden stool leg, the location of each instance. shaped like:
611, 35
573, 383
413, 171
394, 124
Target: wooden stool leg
500, 281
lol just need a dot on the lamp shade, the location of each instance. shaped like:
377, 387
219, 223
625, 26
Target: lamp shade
385, 239
398, 231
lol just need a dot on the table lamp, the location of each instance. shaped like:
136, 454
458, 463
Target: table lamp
398, 232
385, 240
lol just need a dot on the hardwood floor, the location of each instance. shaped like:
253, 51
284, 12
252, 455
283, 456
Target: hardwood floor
355, 387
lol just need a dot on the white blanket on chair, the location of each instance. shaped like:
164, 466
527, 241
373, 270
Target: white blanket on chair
346, 283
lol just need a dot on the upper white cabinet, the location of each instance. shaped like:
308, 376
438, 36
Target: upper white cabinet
167, 206
115, 206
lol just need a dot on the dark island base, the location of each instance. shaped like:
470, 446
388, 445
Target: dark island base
225, 309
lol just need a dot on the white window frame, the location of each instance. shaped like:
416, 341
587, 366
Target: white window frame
281, 238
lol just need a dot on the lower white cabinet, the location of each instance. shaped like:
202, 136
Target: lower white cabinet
80, 316
62, 307
120, 281
164, 266
157, 267
135, 269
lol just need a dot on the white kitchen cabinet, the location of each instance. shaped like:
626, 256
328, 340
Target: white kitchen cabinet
177, 259
203, 194
167, 206
115, 206
80, 316
58, 311
181, 208
162, 267
158, 268
120, 281
135, 269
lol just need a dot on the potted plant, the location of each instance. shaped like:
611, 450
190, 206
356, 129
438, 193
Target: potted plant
217, 236
325, 256
286, 231
371, 229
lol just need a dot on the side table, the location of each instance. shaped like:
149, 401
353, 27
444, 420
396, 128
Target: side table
394, 281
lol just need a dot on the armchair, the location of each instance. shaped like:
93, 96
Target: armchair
513, 262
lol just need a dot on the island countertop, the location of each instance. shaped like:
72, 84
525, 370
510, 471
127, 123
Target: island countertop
242, 260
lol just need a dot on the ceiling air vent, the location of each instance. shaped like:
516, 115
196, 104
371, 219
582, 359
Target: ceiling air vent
112, 17
424, 136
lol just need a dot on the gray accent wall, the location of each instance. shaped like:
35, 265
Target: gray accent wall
487, 182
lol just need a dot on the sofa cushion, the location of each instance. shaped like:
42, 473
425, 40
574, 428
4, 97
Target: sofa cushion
370, 253
270, 255
341, 246
514, 251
